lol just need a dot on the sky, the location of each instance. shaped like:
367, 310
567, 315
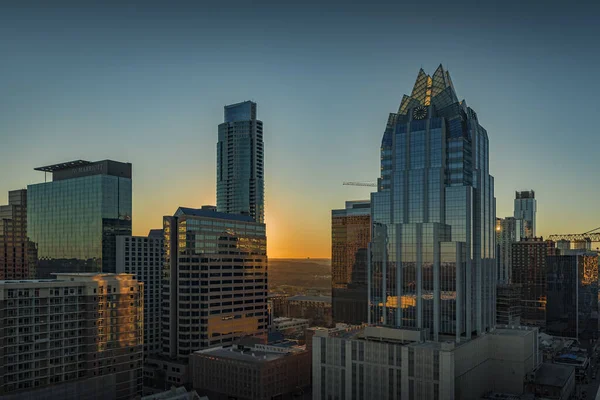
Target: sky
146, 82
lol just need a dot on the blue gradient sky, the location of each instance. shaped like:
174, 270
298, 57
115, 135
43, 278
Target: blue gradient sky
147, 85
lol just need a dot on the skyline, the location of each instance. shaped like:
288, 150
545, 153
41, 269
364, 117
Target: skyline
150, 91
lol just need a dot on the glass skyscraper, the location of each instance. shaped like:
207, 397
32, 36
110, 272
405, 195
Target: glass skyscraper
508, 231
526, 209
240, 163
432, 253
74, 220
350, 235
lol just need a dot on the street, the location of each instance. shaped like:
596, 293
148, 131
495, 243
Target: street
588, 391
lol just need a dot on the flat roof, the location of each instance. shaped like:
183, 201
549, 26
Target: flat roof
553, 374
248, 355
62, 166
511, 332
324, 299
198, 212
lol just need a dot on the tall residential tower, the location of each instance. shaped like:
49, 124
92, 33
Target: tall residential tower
240, 163
526, 209
432, 254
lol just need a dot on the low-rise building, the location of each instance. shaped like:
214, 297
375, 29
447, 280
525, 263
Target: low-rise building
175, 393
317, 309
162, 372
290, 327
388, 363
255, 372
552, 381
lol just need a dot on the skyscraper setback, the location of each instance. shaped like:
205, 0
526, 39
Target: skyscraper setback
240, 161
432, 255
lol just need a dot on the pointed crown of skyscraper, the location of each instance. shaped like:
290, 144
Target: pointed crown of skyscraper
428, 90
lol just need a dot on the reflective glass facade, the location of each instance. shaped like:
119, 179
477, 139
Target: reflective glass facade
526, 210
214, 280
350, 236
240, 162
508, 231
572, 295
74, 222
432, 255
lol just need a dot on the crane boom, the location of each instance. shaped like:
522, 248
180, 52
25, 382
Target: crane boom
576, 237
369, 184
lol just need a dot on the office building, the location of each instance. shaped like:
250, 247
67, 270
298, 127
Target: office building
240, 163
529, 271
526, 209
390, 363
256, 372
432, 263
290, 327
214, 280
78, 336
142, 256
74, 219
317, 309
572, 295
350, 236
17, 253
508, 231
508, 304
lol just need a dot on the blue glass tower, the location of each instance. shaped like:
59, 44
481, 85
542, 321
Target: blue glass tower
74, 220
432, 253
240, 163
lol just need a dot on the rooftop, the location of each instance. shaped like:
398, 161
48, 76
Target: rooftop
553, 374
325, 299
207, 213
63, 166
520, 331
175, 393
241, 353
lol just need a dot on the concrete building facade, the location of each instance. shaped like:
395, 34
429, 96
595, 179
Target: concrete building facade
387, 363
63, 337
143, 257
17, 253
214, 280
258, 372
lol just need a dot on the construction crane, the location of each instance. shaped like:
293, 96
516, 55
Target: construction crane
591, 236
370, 184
